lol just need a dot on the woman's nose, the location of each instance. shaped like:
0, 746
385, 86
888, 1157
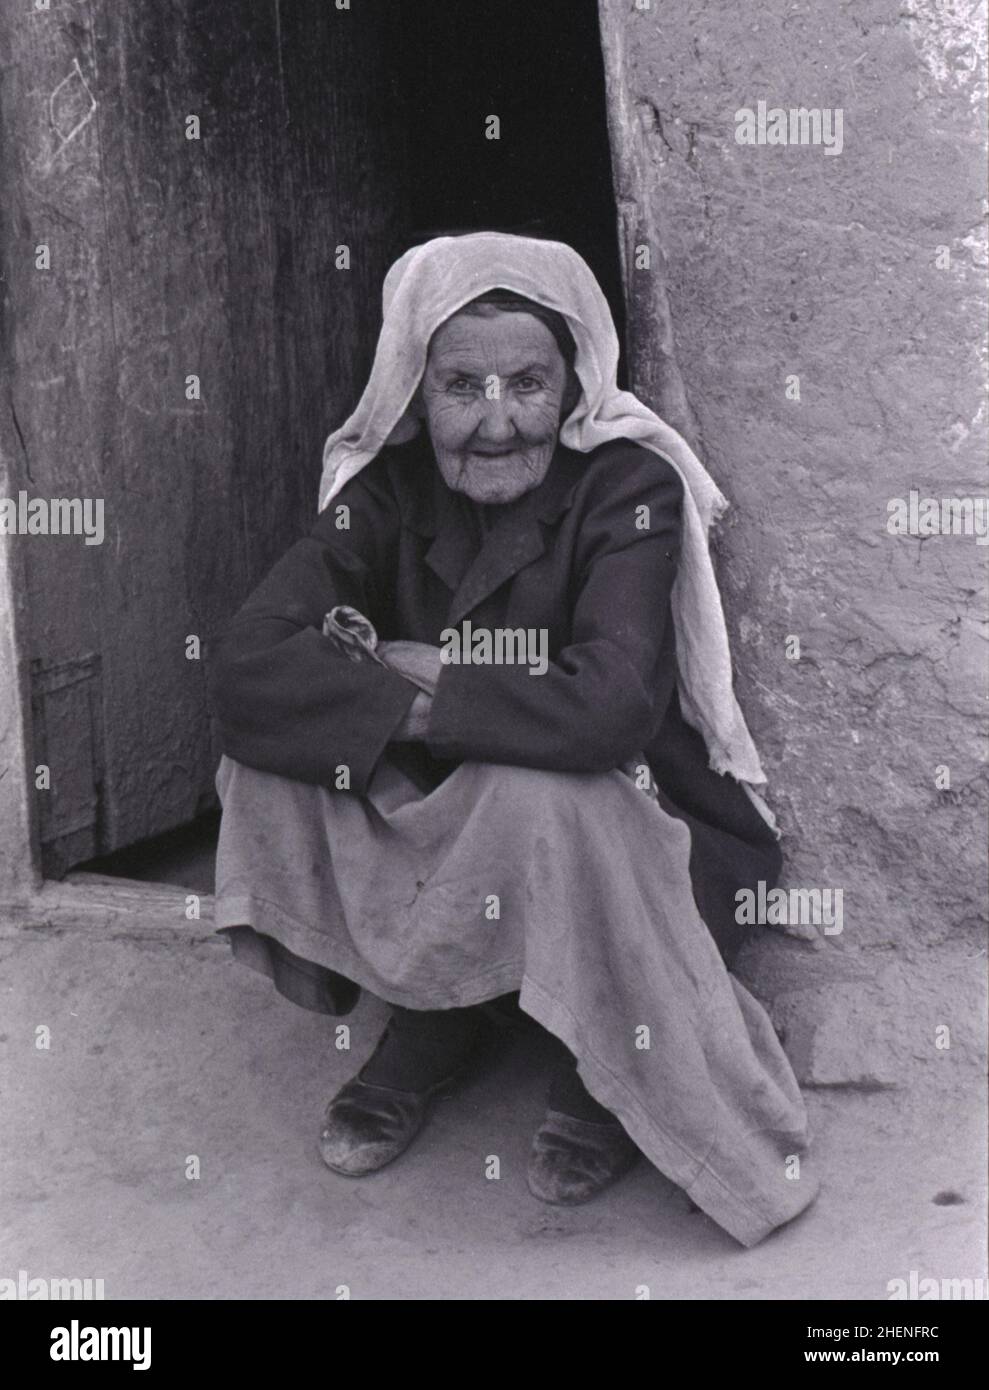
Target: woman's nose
496, 425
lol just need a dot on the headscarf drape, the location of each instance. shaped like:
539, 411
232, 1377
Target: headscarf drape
431, 282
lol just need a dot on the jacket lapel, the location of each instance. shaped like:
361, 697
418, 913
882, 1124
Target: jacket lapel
516, 539
430, 510
513, 542
453, 547
518, 536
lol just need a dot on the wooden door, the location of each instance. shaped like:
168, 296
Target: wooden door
179, 352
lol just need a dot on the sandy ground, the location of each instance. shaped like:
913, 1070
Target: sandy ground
161, 1049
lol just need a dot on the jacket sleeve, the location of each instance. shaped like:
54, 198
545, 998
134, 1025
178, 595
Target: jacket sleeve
285, 700
596, 704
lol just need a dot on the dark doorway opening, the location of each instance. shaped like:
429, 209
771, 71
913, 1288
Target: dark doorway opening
539, 69
185, 857
434, 74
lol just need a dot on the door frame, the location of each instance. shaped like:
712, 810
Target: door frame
27, 900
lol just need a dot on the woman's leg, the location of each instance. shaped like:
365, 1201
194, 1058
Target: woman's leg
374, 1117
423, 1048
572, 888
621, 968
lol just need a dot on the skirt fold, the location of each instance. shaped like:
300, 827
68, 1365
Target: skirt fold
572, 889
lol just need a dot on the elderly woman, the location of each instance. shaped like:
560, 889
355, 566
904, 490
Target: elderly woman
535, 780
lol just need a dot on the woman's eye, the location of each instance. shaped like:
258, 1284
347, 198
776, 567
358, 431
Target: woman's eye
461, 384
529, 383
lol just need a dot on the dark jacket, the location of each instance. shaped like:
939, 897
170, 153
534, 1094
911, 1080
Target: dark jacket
567, 557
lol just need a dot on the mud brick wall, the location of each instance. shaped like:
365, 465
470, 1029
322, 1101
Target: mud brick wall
861, 273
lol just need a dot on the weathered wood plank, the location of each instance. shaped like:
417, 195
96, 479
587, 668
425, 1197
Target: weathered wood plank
173, 258
112, 906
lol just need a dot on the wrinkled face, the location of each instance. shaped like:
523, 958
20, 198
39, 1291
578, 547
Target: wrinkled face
492, 395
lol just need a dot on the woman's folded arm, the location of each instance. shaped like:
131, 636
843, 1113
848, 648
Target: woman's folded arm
285, 700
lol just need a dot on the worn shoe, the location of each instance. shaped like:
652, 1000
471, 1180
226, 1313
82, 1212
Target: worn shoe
369, 1122
367, 1126
572, 1160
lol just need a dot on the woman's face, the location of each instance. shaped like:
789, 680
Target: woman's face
491, 395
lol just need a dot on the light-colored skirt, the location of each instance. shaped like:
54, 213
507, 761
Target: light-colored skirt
571, 888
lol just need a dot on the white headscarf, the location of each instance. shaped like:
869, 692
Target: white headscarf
431, 282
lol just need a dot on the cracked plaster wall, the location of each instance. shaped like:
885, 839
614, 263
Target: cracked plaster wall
769, 262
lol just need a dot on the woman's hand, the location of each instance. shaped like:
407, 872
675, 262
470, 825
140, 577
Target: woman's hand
419, 662
414, 726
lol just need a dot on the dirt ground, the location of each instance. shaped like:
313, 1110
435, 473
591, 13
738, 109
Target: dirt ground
164, 1048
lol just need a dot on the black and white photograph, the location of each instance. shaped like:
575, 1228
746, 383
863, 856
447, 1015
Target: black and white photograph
493, 538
